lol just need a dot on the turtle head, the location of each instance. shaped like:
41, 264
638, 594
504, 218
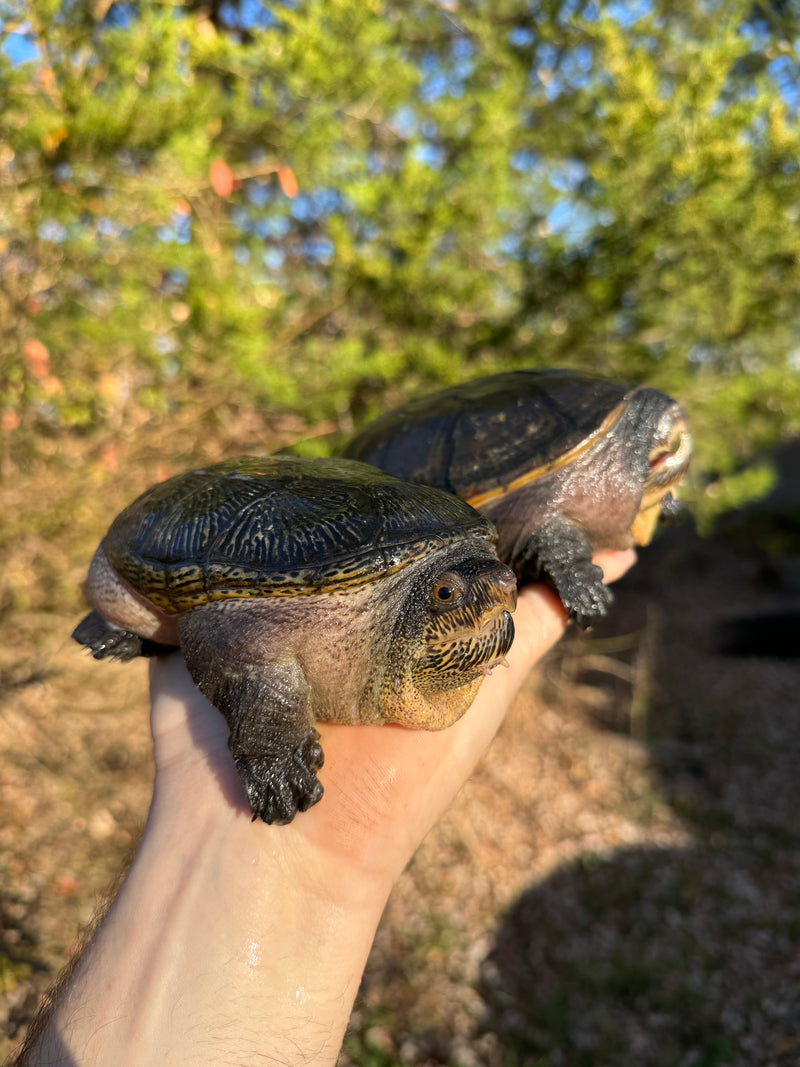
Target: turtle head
469, 627
462, 629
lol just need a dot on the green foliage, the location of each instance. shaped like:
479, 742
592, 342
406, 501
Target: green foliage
329, 205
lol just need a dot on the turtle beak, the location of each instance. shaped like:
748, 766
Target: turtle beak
505, 588
669, 459
496, 625
671, 449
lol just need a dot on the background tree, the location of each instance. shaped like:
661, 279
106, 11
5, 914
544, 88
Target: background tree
327, 206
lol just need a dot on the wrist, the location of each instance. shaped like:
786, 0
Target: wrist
308, 859
224, 936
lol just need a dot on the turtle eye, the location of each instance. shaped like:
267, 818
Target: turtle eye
448, 590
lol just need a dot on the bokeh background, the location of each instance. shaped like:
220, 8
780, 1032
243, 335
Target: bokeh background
238, 227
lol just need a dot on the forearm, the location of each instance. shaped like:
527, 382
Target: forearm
210, 954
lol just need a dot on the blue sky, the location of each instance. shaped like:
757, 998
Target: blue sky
19, 46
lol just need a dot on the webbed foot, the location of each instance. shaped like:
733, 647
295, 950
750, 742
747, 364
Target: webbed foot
561, 551
105, 641
584, 595
278, 786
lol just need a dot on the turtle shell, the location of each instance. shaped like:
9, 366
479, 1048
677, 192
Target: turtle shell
279, 526
484, 434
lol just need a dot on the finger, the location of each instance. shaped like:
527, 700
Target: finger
615, 564
180, 714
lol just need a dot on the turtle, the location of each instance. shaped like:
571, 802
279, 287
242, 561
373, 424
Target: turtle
564, 463
298, 590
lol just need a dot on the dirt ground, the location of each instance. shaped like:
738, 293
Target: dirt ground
619, 883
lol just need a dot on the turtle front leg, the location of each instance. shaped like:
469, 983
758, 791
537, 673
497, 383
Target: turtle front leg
274, 745
267, 707
561, 550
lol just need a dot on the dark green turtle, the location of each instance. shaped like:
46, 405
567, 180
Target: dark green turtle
301, 590
563, 463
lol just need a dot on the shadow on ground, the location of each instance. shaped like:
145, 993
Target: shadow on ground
664, 956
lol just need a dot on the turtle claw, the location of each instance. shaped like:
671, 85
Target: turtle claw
587, 603
487, 668
278, 787
105, 641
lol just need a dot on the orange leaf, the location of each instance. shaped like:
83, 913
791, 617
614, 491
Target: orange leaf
51, 385
46, 78
110, 388
109, 457
221, 177
37, 357
288, 181
9, 420
66, 885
